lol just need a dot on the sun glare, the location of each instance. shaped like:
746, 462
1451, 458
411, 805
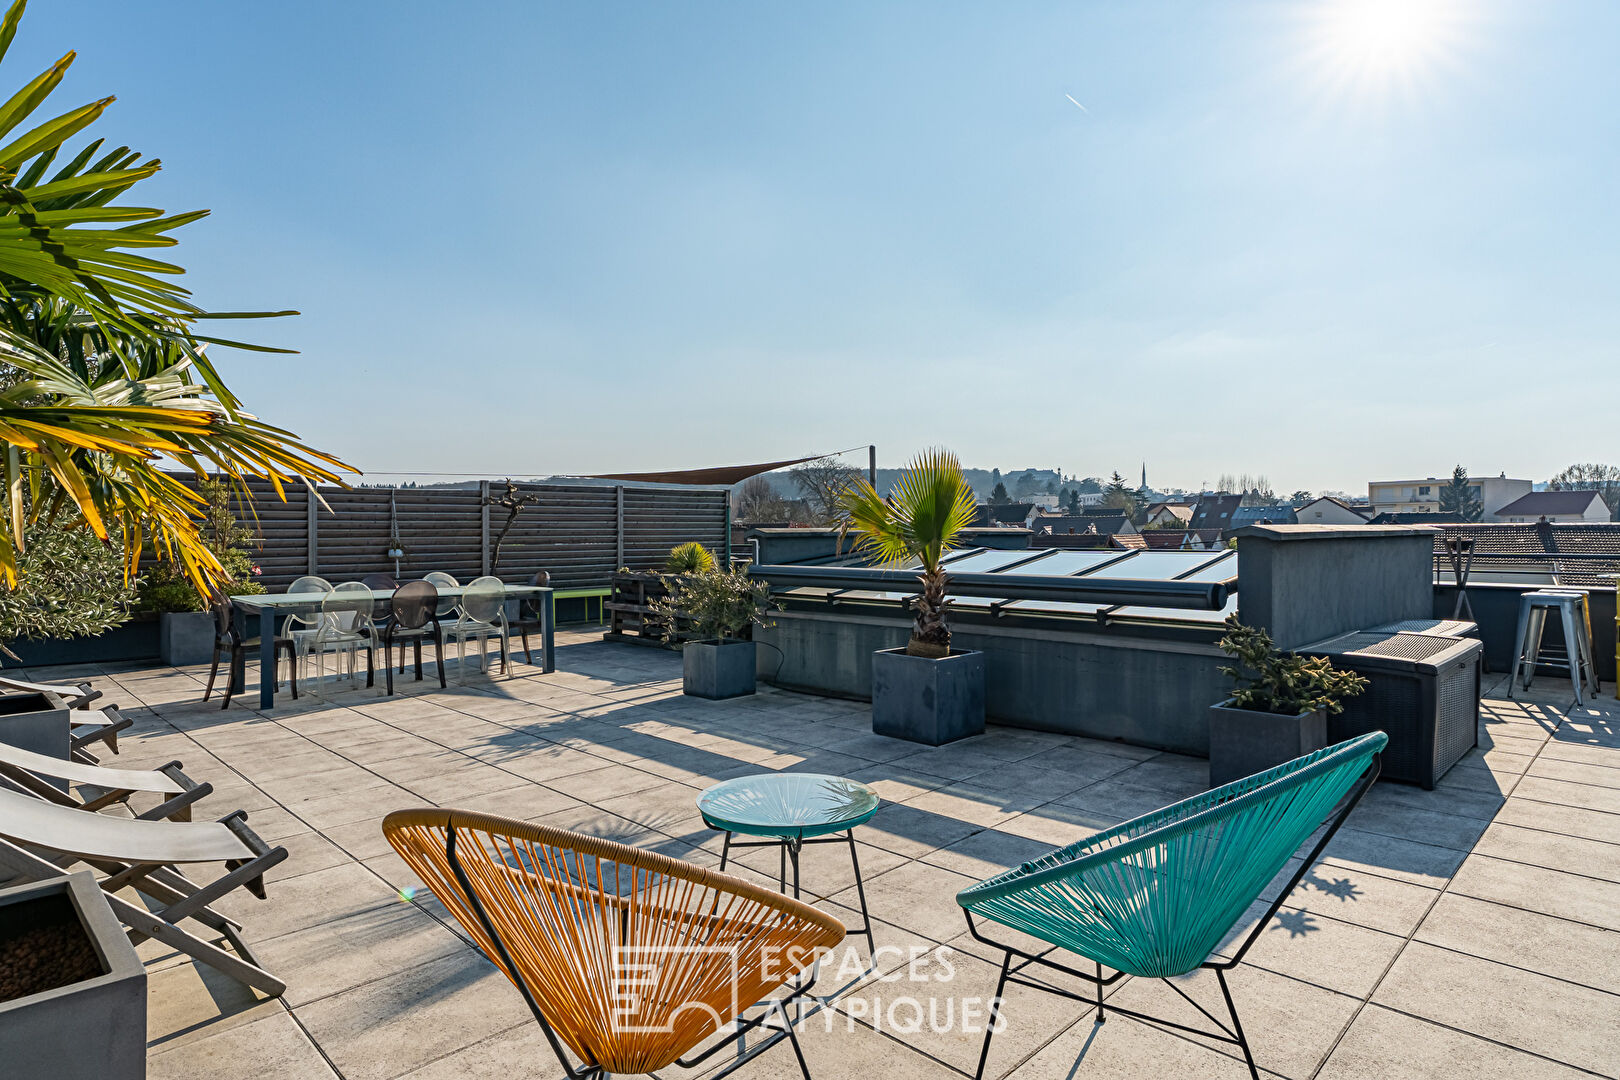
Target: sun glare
1377, 45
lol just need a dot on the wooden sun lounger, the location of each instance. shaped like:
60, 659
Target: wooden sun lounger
28, 771
94, 725
77, 696
39, 839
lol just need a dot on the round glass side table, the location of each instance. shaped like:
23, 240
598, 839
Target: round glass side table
788, 811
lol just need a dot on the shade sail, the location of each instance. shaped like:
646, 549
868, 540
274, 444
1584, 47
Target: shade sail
720, 475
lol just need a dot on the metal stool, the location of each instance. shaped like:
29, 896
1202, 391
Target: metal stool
1577, 656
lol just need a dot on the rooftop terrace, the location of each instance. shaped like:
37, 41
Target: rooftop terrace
1465, 931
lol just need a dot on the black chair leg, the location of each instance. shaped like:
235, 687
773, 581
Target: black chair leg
417, 645
213, 673
438, 652
236, 658
528, 653
388, 663
292, 670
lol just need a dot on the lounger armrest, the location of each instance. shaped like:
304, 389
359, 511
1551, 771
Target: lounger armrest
178, 808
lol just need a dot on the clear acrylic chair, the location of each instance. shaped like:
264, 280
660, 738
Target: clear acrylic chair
481, 614
345, 629
448, 605
300, 628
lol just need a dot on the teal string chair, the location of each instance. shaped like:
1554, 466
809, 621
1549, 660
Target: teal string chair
1155, 896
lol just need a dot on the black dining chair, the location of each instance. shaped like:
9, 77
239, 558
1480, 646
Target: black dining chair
413, 617
235, 647
381, 611
529, 614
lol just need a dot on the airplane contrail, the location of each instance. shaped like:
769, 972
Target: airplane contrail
1077, 105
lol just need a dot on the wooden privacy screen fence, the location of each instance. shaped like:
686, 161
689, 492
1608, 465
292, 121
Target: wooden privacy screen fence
579, 534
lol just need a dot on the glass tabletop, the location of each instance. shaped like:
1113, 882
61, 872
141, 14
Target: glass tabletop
787, 804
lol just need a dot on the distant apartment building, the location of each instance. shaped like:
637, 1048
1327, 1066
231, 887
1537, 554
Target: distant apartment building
1423, 496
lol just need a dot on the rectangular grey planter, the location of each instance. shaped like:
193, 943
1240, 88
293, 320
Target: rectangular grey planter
927, 701
717, 669
93, 1028
37, 722
1242, 743
186, 637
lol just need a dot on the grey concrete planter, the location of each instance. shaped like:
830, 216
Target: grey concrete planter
93, 1028
1242, 743
186, 637
717, 669
37, 722
927, 701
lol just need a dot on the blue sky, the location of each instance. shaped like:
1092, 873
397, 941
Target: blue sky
536, 238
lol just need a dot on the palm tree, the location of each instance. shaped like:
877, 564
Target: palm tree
930, 506
104, 374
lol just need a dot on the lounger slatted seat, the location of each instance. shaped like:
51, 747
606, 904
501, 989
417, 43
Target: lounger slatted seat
31, 772
1155, 896
39, 839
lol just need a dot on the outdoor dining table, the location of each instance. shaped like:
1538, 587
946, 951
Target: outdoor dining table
268, 607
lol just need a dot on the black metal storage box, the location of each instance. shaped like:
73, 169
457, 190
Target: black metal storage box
1423, 693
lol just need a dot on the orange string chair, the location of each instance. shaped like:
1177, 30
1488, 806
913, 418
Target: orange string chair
628, 958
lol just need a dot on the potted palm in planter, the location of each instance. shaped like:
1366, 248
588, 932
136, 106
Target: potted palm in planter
926, 692
715, 606
1280, 708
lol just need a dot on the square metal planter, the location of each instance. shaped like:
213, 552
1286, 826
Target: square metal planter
92, 1027
718, 669
925, 700
186, 637
37, 722
1242, 743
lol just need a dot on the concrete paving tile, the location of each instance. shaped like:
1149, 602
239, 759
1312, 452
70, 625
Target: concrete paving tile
1534, 888
391, 1026
1403, 797
987, 853
1124, 1049
342, 806
983, 806
1565, 820
307, 852
1056, 825
522, 1047
1328, 953
1565, 950
1386, 1045
1592, 858
303, 901
918, 897
1366, 899
341, 954
1291, 1025
275, 1045
1424, 826
1505, 1005
1567, 793
189, 1002
908, 831
1576, 772
525, 801
1389, 856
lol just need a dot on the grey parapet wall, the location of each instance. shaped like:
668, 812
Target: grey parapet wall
1146, 685
1304, 583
